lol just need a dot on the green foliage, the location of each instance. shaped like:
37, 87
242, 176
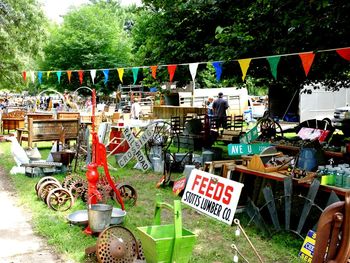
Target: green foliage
22, 32
191, 31
91, 37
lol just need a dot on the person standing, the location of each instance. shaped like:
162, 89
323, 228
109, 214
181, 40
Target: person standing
135, 109
219, 109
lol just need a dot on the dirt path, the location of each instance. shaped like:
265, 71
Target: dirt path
18, 243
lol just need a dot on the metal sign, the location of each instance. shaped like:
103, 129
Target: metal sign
212, 195
250, 136
135, 148
244, 149
307, 250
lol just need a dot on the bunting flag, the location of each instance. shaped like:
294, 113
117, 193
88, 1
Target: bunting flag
24, 75
344, 53
40, 76
244, 64
154, 71
193, 70
120, 74
218, 69
135, 72
307, 59
59, 73
93, 75
32, 76
273, 61
171, 71
106, 72
69, 74
81, 76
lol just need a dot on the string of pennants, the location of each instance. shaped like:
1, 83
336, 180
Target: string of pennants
306, 58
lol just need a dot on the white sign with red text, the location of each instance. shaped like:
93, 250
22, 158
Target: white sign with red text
212, 195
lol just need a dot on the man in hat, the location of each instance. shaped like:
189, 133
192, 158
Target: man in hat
219, 109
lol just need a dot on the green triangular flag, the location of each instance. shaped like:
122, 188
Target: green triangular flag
135, 71
273, 61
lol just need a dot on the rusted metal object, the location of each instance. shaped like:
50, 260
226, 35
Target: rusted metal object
50, 191
116, 244
333, 233
59, 199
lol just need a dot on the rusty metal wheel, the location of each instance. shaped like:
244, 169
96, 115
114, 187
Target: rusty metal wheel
116, 244
69, 179
78, 187
59, 199
45, 188
43, 180
128, 194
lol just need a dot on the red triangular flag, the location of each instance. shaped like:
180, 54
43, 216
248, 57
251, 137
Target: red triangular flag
24, 75
171, 70
69, 73
307, 59
344, 53
154, 71
81, 76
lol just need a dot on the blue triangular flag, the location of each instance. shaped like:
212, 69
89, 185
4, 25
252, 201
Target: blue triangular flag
106, 72
58, 73
218, 69
40, 76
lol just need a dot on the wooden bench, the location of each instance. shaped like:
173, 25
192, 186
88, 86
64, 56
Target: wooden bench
40, 116
65, 115
12, 120
49, 130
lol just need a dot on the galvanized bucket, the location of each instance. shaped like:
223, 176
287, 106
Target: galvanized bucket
99, 217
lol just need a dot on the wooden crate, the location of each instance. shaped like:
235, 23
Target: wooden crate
257, 164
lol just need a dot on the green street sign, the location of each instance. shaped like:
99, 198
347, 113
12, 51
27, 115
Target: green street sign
250, 135
245, 149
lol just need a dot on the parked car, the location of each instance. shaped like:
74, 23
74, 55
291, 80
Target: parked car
341, 120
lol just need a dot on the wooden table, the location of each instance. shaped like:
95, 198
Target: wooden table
166, 112
294, 149
280, 177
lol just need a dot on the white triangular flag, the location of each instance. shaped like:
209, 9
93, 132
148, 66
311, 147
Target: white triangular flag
32, 76
193, 70
93, 75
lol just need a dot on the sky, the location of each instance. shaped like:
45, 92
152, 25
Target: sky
56, 8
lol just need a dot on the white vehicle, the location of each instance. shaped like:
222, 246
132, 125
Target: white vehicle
320, 104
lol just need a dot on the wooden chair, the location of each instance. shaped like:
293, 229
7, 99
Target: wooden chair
333, 234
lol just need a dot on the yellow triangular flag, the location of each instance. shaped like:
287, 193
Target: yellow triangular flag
120, 73
244, 63
48, 74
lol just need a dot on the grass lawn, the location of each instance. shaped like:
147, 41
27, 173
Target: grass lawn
214, 238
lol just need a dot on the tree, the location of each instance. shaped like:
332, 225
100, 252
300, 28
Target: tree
206, 30
91, 37
22, 33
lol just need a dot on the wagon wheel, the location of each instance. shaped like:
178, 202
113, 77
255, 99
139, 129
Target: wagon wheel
45, 188
78, 187
43, 180
116, 244
269, 128
163, 137
128, 194
104, 190
59, 199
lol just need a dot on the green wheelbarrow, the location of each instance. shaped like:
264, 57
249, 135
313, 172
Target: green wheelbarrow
167, 243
